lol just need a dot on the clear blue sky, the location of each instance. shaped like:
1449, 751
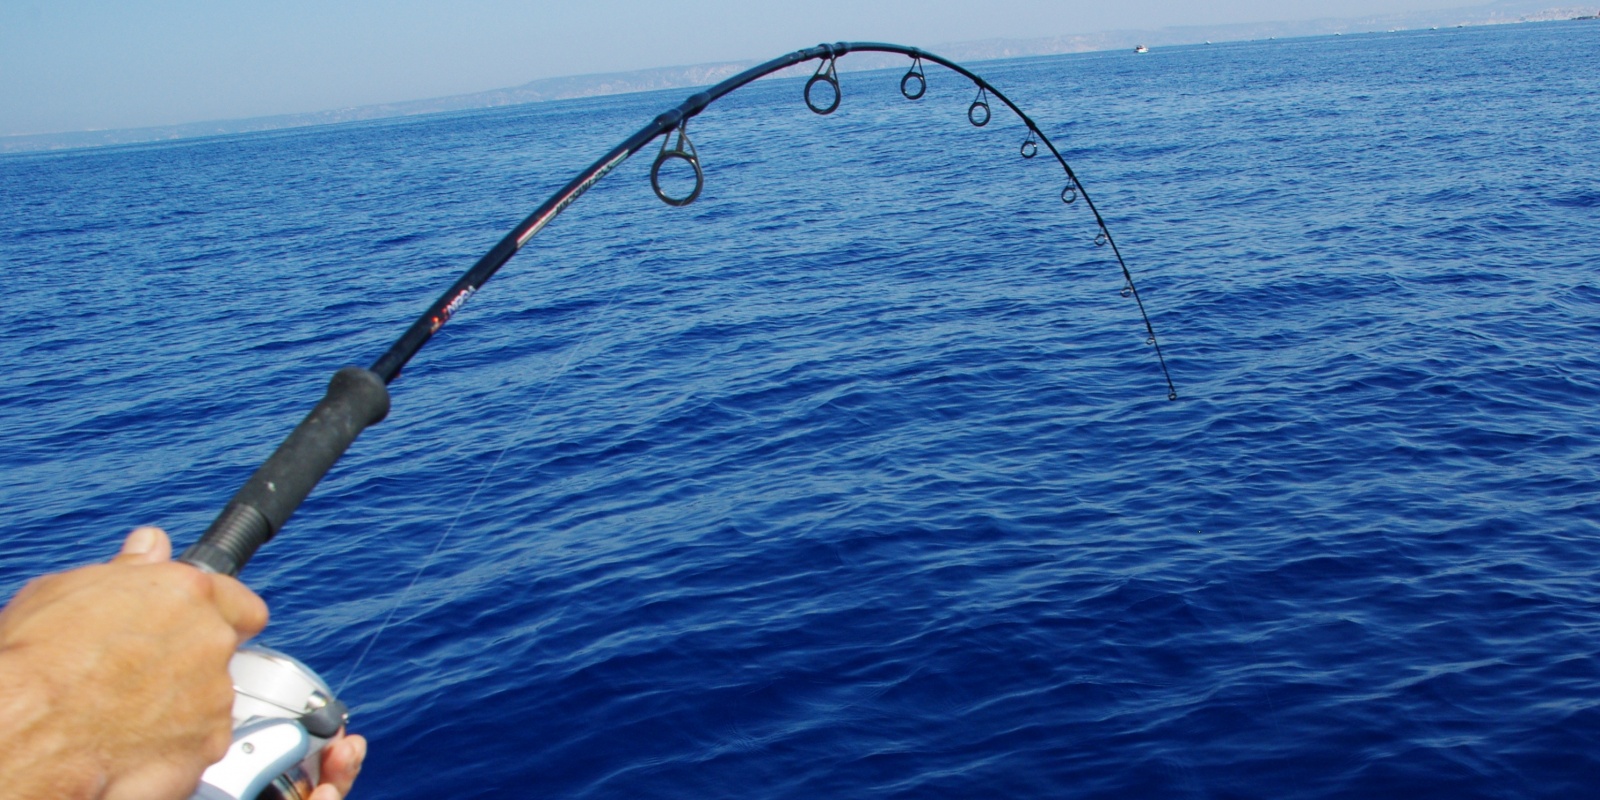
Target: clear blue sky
68, 65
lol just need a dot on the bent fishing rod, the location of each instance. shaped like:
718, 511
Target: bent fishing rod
358, 398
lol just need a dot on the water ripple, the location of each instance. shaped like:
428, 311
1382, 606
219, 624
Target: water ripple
856, 479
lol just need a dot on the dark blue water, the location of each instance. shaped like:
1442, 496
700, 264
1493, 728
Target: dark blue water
856, 478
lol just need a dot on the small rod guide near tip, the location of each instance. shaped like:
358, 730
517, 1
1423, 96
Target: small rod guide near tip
357, 397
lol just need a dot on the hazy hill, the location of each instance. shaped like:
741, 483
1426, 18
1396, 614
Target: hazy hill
1506, 11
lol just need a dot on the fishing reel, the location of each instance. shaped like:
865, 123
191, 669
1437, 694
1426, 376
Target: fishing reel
284, 714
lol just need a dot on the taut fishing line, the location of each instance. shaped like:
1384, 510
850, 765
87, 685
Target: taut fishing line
522, 424
357, 397
302, 707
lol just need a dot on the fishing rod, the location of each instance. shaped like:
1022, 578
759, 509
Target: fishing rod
288, 711
358, 398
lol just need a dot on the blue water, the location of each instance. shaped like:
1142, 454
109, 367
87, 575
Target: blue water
856, 478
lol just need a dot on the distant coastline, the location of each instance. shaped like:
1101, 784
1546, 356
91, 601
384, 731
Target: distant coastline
565, 88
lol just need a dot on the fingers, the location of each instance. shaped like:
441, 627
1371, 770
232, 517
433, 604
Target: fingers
145, 545
240, 607
341, 763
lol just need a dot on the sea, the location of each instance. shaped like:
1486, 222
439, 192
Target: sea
857, 478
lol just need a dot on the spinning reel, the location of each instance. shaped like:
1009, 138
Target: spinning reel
284, 715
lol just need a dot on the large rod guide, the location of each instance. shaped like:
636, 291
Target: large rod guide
358, 397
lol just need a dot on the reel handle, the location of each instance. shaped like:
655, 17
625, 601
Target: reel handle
356, 398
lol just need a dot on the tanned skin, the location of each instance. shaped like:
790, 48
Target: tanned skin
114, 680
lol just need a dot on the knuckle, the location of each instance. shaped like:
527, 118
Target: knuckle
39, 584
221, 697
217, 707
189, 581
42, 586
216, 742
220, 638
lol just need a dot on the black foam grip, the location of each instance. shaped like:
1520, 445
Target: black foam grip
356, 398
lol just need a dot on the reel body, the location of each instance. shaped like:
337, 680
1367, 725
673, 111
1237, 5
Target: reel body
284, 714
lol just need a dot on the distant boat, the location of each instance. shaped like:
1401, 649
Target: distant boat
1141, 49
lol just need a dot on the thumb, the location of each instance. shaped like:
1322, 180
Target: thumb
145, 545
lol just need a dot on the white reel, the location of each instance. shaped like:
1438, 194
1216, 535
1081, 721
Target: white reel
283, 716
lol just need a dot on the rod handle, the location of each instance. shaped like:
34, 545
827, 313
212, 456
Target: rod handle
356, 398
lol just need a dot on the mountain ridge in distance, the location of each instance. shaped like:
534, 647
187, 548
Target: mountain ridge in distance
683, 77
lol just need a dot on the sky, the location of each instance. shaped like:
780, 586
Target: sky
76, 65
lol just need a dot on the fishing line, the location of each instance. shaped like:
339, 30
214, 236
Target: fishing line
550, 382
357, 398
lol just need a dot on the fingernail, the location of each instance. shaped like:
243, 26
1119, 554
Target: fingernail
141, 541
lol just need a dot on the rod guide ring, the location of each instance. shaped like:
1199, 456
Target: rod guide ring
684, 151
921, 78
826, 73
981, 103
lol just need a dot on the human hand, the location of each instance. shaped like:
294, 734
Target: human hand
114, 679
115, 676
